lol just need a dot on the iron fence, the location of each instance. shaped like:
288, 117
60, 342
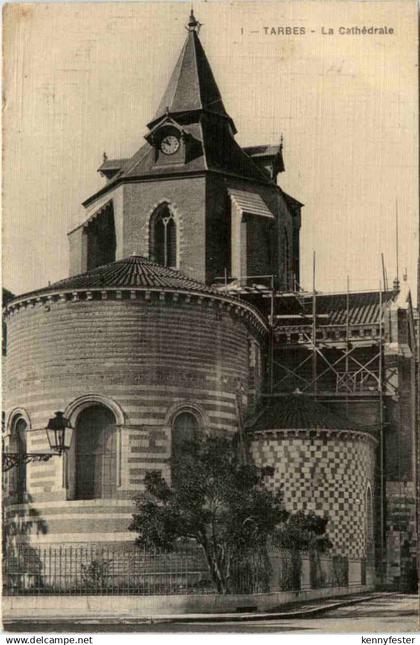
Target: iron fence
328, 571
119, 569
104, 569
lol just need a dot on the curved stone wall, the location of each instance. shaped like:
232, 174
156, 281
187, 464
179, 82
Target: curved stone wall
145, 355
327, 472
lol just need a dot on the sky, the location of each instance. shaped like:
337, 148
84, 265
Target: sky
84, 78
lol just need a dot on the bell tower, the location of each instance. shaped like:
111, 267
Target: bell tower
225, 213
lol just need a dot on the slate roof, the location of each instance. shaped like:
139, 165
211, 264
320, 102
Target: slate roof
143, 162
224, 154
134, 271
193, 100
291, 201
299, 412
192, 85
262, 151
112, 164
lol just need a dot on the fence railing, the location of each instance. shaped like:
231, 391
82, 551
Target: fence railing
127, 569
328, 571
111, 569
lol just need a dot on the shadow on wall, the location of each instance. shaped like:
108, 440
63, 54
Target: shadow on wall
22, 564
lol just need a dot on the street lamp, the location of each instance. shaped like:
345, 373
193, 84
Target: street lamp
59, 434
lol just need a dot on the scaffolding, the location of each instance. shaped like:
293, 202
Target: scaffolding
310, 330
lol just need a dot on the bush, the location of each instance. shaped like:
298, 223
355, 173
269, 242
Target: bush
96, 575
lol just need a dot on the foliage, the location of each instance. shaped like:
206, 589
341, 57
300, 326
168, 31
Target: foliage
290, 570
303, 532
95, 575
251, 571
216, 501
340, 568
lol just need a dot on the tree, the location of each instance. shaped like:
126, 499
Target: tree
220, 503
303, 532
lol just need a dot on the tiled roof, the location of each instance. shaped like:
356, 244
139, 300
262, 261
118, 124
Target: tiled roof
299, 412
7, 296
364, 308
134, 271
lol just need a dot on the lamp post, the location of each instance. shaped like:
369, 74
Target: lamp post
59, 434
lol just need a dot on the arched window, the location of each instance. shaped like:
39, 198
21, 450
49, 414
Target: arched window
163, 237
286, 259
185, 429
95, 454
17, 475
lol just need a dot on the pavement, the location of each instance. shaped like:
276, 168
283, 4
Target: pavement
387, 604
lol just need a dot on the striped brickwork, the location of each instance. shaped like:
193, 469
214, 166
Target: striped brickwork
146, 354
325, 472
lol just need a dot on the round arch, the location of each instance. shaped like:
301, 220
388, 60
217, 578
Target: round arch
18, 426
187, 406
14, 415
91, 466
74, 408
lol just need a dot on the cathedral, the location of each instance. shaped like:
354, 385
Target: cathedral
183, 314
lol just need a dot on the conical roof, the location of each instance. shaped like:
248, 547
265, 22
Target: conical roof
299, 412
192, 86
134, 271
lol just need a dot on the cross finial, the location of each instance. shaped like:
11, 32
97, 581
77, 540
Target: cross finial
193, 24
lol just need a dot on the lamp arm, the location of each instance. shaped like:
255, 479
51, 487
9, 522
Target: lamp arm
12, 459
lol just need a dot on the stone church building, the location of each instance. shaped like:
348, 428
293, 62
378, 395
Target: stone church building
182, 314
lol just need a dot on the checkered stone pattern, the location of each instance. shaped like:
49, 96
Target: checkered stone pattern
326, 473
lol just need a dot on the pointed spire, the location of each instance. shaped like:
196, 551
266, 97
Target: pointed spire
192, 86
193, 24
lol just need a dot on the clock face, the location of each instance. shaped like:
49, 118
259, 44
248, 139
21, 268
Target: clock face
169, 144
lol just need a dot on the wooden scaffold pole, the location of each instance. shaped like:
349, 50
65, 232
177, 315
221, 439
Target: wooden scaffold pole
314, 354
